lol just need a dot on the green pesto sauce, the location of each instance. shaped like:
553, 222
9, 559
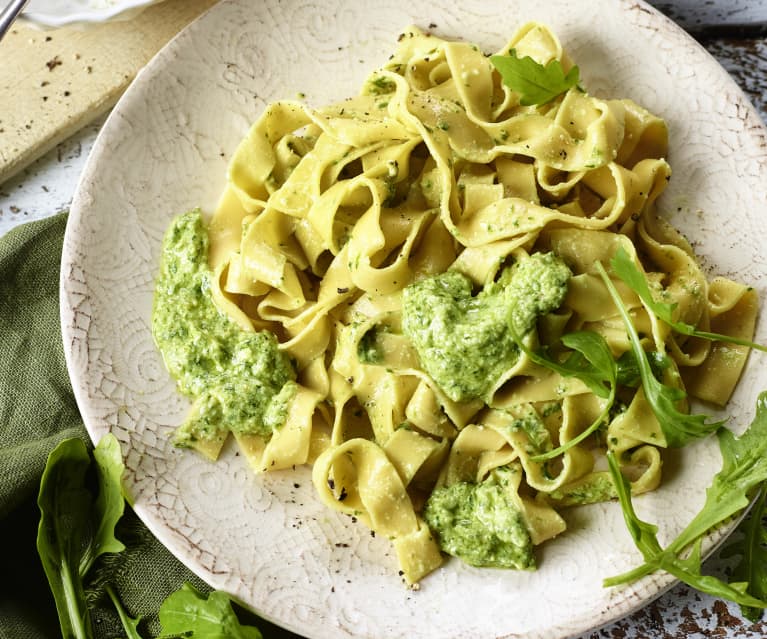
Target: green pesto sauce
597, 489
480, 524
463, 340
538, 435
239, 380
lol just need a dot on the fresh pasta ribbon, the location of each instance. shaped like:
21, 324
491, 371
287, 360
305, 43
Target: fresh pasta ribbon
358, 478
303, 436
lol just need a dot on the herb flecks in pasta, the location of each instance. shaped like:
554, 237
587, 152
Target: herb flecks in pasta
420, 263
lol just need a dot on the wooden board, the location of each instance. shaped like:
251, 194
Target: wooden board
54, 82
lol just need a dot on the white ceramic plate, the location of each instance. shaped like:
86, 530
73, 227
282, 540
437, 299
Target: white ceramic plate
58, 13
266, 539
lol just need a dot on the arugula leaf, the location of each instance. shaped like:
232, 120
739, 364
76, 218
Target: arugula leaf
744, 467
189, 613
588, 361
685, 569
678, 428
643, 533
623, 266
752, 549
535, 83
592, 362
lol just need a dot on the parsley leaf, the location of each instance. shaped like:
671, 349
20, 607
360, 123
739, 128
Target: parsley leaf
535, 83
624, 267
678, 428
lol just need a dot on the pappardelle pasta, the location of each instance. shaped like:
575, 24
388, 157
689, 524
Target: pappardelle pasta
442, 296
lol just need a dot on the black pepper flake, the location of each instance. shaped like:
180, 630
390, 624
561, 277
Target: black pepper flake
354, 519
401, 572
48, 38
372, 533
342, 289
53, 63
331, 483
432, 25
67, 94
400, 36
296, 485
343, 494
341, 544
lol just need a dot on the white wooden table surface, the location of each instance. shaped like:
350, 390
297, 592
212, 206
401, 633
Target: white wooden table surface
735, 32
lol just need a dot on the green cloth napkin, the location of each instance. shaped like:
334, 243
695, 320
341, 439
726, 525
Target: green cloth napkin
37, 411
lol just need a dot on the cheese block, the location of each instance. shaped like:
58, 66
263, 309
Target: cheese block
53, 82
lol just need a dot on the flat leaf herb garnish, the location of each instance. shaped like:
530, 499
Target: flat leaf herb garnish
535, 83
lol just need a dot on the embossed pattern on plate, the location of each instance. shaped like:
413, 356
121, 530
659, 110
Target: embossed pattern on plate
266, 539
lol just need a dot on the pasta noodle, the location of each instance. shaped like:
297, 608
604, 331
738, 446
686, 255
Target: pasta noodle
336, 219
